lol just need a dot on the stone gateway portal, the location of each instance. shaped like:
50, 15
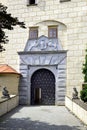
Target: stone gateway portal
43, 88
43, 69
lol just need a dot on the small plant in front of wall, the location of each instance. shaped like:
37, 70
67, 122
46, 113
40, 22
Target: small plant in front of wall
83, 92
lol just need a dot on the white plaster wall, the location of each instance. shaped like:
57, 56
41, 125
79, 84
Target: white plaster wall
8, 104
76, 109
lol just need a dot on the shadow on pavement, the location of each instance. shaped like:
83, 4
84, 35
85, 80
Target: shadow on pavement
9, 123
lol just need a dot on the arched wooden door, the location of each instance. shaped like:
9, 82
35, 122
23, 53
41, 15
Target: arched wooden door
43, 88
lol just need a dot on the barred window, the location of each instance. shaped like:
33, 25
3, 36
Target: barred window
33, 33
52, 31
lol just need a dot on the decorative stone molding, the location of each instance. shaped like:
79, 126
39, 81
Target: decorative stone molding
42, 59
43, 44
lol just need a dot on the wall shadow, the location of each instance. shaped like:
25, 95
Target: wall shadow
9, 123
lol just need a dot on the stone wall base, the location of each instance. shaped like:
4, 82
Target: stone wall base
7, 105
77, 109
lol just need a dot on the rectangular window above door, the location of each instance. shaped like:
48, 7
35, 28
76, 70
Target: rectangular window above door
33, 33
52, 31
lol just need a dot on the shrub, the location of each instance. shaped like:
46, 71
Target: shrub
83, 94
84, 86
84, 69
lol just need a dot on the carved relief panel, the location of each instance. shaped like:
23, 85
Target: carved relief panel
43, 44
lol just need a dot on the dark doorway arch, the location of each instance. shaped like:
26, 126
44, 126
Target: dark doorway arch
43, 87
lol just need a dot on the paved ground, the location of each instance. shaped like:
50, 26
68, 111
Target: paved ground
40, 118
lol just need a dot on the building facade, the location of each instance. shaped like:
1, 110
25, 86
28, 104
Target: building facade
50, 52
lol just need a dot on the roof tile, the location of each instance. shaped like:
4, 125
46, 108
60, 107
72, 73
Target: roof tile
7, 69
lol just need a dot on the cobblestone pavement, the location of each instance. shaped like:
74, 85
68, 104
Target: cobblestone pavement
40, 118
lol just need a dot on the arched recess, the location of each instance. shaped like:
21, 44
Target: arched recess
43, 87
61, 30
51, 22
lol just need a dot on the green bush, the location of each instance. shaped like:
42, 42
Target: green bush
83, 94
84, 86
84, 69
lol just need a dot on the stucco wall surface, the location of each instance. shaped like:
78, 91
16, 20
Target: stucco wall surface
11, 81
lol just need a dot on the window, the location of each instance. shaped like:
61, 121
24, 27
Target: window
33, 33
32, 2
64, 0
52, 32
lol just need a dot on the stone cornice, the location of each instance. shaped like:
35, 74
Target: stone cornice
41, 52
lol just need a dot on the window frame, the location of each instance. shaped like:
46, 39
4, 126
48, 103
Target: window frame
33, 29
54, 27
